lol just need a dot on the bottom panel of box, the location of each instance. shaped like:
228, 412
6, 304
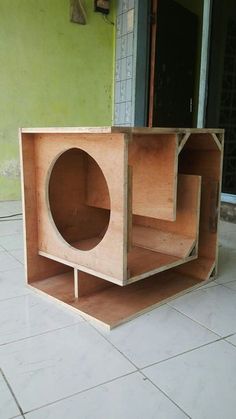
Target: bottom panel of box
114, 305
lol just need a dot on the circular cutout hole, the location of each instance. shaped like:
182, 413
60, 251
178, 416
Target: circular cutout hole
79, 199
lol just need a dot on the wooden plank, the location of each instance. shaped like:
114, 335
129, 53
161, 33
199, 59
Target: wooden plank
204, 159
116, 305
182, 141
108, 154
129, 208
153, 159
142, 260
202, 141
90, 284
217, 141
163, 241
76, 283
199, 269
143, 263
37, 267
174, 238
110, 129
157, 130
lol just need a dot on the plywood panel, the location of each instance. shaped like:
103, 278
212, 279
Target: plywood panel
107, 154
43, 151
37, 267
152, 159
202, 141
115, 305
200, 268
179, 237
206, 161
162, 241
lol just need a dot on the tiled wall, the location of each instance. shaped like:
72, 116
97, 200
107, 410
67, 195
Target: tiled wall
125, 63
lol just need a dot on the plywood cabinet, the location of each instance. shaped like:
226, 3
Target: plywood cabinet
118, 220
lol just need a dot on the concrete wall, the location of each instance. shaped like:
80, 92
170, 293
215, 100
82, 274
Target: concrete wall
52, 73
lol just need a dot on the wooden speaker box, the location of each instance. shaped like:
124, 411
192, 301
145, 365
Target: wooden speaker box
118, 220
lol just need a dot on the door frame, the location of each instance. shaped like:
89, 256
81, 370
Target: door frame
204, 62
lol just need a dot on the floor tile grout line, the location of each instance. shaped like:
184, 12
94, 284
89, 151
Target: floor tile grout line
228, 288
108, 341
139, 369
12, 269
18, 249
181, 353
11, 250
16, 233
41, 334
22, 263
166, 395
12, 393
218, 338
228, 341
195, 321
223, 283
13, 298
82, 391
204, 287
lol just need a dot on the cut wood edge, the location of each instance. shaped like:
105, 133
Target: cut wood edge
189, 285
76, 283
118, 129
163, 268
217, 141
182, 141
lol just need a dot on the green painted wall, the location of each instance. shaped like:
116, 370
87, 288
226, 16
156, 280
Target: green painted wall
52, 73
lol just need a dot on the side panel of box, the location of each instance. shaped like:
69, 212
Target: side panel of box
37, 267
110, 153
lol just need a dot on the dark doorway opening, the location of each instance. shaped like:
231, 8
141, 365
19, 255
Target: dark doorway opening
221, 106
174, 60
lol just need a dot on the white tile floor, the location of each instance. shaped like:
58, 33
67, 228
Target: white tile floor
177, 361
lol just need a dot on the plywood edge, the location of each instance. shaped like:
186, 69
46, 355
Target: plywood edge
218, 204
67, 306
118, 129
138, 299
69, 130
127, 209
161, 269
182, 141
150, 308
166, 130
216, 141
20, 139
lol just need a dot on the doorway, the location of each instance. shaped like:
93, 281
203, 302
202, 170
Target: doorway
221, 106
175, 63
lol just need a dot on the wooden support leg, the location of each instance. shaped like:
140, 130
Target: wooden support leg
76, 283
